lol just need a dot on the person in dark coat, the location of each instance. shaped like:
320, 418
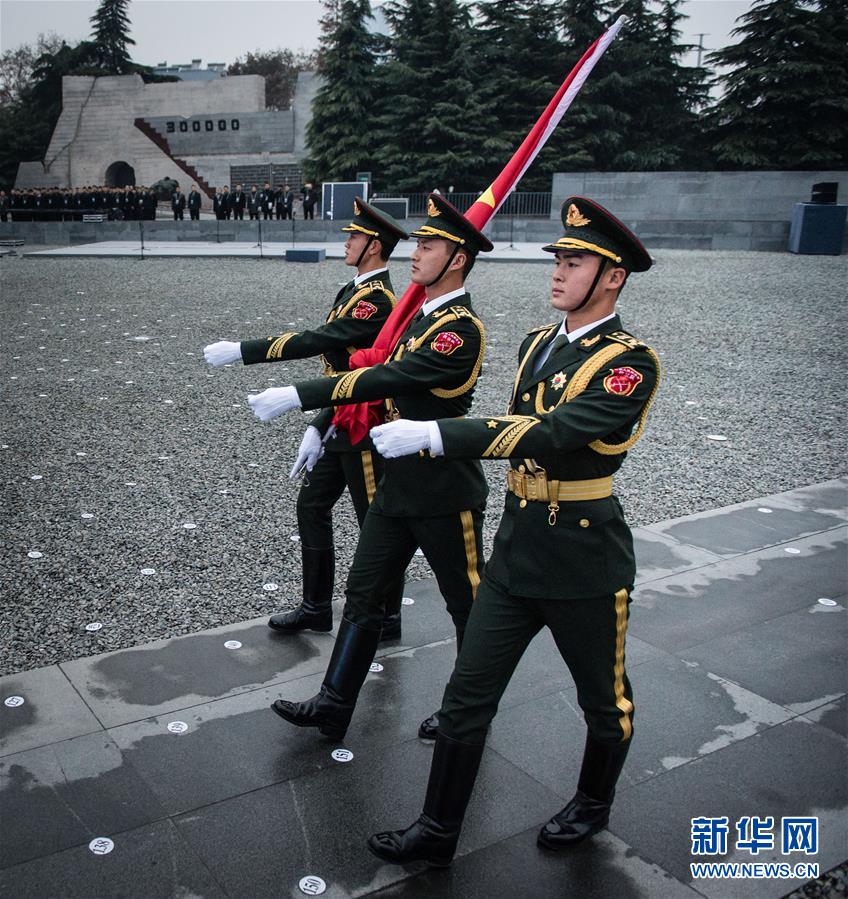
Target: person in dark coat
194, 203
254, 202
310, 198
238, 201
178, 203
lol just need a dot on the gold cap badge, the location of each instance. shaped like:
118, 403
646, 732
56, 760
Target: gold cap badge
432, 209
356, 207
575, 218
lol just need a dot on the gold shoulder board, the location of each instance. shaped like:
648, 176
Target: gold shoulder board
543, 328
462, 312
628, 340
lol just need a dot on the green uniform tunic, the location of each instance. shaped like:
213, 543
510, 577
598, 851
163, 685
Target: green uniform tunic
355, 318
568, 565
433, 503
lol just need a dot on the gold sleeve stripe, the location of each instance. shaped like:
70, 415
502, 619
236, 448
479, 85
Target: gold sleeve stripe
621, 701
368, 474
344, 386
275, 351
470, 538
504, 444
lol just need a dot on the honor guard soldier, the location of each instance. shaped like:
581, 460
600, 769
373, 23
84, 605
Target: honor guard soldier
563, 554
437, 505
358, 313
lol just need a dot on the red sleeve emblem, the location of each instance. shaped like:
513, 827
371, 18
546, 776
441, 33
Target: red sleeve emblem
447, 342
364, 309
622, 381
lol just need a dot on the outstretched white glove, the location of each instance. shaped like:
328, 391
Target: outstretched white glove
222, 353
273, 402
404, 437
311, 450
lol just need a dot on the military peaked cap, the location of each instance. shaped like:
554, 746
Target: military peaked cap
375, 223
446, 222
589, 228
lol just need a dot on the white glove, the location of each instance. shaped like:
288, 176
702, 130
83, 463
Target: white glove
401, 438
222, 353
311, 450
273, 402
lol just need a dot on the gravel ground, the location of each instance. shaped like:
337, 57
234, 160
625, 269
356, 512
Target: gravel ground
109, 404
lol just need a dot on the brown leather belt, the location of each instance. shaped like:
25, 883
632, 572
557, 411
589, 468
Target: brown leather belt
538, 488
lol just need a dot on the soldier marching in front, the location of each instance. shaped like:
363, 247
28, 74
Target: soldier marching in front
563, 554
358, 313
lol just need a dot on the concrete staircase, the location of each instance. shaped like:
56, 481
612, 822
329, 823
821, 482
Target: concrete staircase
151, 133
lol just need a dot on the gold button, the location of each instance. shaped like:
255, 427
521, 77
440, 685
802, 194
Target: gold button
584, 522
525, 397
523, 503
522, 469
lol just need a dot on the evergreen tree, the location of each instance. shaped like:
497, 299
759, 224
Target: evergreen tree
638, 110
432, 131
279, 68
112, 37
785, 100
517, 64
340, 132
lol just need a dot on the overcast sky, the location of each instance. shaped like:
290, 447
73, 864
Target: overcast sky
221, 30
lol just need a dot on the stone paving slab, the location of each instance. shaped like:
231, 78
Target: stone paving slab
795, 768
691, 608
52, 710
739, 679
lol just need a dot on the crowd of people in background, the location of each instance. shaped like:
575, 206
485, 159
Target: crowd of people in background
58, 204
266, 203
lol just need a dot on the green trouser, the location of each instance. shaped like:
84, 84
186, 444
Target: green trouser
452, 544
359, 472
590, 635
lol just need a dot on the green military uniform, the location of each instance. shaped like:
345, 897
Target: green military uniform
357, 314
562, 556
436, 504
562, 539
359, 311
432, 503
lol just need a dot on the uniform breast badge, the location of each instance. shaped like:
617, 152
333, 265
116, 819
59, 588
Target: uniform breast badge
558, 380
622, 381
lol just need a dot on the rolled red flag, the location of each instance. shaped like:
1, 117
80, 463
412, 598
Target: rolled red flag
358, 419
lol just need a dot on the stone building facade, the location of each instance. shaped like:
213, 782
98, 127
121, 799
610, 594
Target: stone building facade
117, 130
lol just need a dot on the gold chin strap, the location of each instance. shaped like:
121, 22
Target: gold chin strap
587, 371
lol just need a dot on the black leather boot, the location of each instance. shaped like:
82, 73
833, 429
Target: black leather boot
588, 811
433, 837
315, 613
331, 709
429, 727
